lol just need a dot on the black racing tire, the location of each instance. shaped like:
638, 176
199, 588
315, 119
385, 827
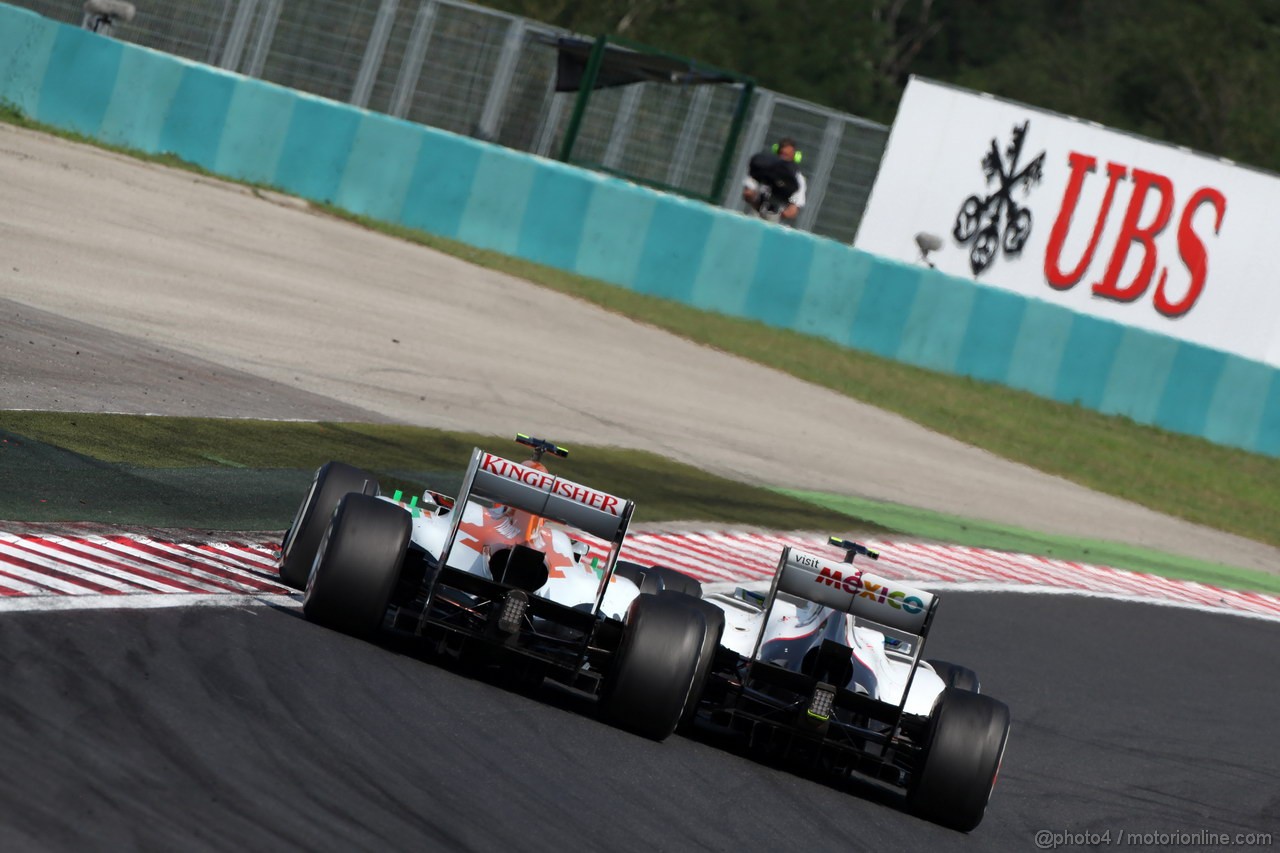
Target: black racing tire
656, 578
331, 482
652, 674
967, 737
357, 565
714, 618
954, 675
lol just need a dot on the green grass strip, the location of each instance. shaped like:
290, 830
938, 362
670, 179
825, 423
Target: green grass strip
243, 452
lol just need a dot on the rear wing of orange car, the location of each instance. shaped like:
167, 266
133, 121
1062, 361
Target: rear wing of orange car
540, 493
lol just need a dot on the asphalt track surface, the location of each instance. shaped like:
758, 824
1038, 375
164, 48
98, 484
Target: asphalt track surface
248, 728
161, 273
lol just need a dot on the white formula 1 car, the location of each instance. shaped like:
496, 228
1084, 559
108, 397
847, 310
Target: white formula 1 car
496, 576
828, 666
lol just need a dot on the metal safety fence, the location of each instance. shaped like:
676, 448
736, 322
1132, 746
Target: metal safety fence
491, 75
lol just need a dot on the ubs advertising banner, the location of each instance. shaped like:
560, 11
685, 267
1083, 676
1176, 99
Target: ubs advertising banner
1071, 212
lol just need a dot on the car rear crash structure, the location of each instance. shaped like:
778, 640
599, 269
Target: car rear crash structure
922, 727
487, 579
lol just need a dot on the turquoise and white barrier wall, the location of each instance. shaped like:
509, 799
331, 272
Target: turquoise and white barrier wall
631, 236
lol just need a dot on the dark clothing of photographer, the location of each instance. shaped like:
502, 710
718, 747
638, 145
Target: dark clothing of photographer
775, 187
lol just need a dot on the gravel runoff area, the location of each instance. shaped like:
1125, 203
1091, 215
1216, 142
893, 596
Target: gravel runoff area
137, 288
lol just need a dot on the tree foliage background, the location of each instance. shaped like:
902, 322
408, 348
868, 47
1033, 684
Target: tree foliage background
1201, 73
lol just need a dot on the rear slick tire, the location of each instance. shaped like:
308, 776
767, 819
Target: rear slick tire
357, 565
714, 617
967, 737
954, 675
657, 578
332, 481
652, 674
677, 580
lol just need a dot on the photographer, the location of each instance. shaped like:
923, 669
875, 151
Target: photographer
775, 187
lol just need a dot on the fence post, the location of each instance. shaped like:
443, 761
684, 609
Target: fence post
753, 142
821, 177
743, 104
690, 130
219, 32
373, 53
262, 40
594, 61
553, 111
234, 48
621, 127
415, 53
500, 85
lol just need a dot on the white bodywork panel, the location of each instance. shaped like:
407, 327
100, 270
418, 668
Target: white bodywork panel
744, 622
485, 531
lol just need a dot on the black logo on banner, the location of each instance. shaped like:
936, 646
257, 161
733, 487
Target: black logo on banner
997, 221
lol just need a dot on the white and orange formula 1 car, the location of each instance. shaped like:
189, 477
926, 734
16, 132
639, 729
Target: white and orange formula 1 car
827, 667
497, 575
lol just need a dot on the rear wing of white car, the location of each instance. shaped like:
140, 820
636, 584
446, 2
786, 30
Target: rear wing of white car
868, 598
592, 511
859, 593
